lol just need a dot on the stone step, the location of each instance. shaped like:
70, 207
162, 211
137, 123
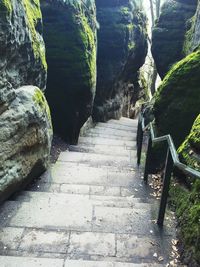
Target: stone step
73, 173
124, 128
6, 261
79, 245
124, 122
113, 132
109, 136
80, 214
108, 142
138, 190
96, 160
103, 150
97, 200
120, 151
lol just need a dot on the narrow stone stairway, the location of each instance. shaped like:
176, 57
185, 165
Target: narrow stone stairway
90, 210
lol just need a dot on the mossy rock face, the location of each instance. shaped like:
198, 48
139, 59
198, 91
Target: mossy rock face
178, 99
22, 53
70, 36
169, 33
121, 44
189, 151
192, 37
187, 208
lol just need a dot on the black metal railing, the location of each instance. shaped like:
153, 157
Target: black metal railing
172, 161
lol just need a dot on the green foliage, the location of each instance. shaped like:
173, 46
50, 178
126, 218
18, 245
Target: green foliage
34, 16
178, 98
40, 100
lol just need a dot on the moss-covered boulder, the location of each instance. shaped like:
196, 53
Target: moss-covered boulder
25, 122
169, 33
189, 151
70, 36
177, 101
122, 49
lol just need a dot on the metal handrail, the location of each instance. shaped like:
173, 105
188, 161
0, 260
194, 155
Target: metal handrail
172, 160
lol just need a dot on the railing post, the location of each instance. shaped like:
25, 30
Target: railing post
165, 191
148, 159
139, 141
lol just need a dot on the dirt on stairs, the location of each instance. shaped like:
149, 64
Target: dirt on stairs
91, 209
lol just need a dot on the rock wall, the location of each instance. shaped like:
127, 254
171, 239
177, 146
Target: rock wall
192, 38
25, 123
70, 37
169, 33
122, 48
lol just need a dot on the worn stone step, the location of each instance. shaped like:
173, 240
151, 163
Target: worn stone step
110, 136
72, 173
94, 160
79, 245
79, 214
113, 132
6, 261
98, 200
117, 127
104, 151
108, 142
119, 151
125, 122
138, 190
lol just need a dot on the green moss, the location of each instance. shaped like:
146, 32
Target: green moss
34, 16
190, 149
40, 100
178, 98
187, 208
6, 5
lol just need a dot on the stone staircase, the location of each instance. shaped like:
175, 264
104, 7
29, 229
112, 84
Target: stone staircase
90, 210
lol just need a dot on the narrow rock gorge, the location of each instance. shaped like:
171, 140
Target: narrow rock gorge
70, 65
122, 48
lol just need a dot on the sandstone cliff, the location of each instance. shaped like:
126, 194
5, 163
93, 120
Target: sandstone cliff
122, 48
70, 37
169, 33
25, 123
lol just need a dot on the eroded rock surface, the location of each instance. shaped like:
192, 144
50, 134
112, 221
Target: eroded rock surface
70, 36
25, 123
122, 49
169, 33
